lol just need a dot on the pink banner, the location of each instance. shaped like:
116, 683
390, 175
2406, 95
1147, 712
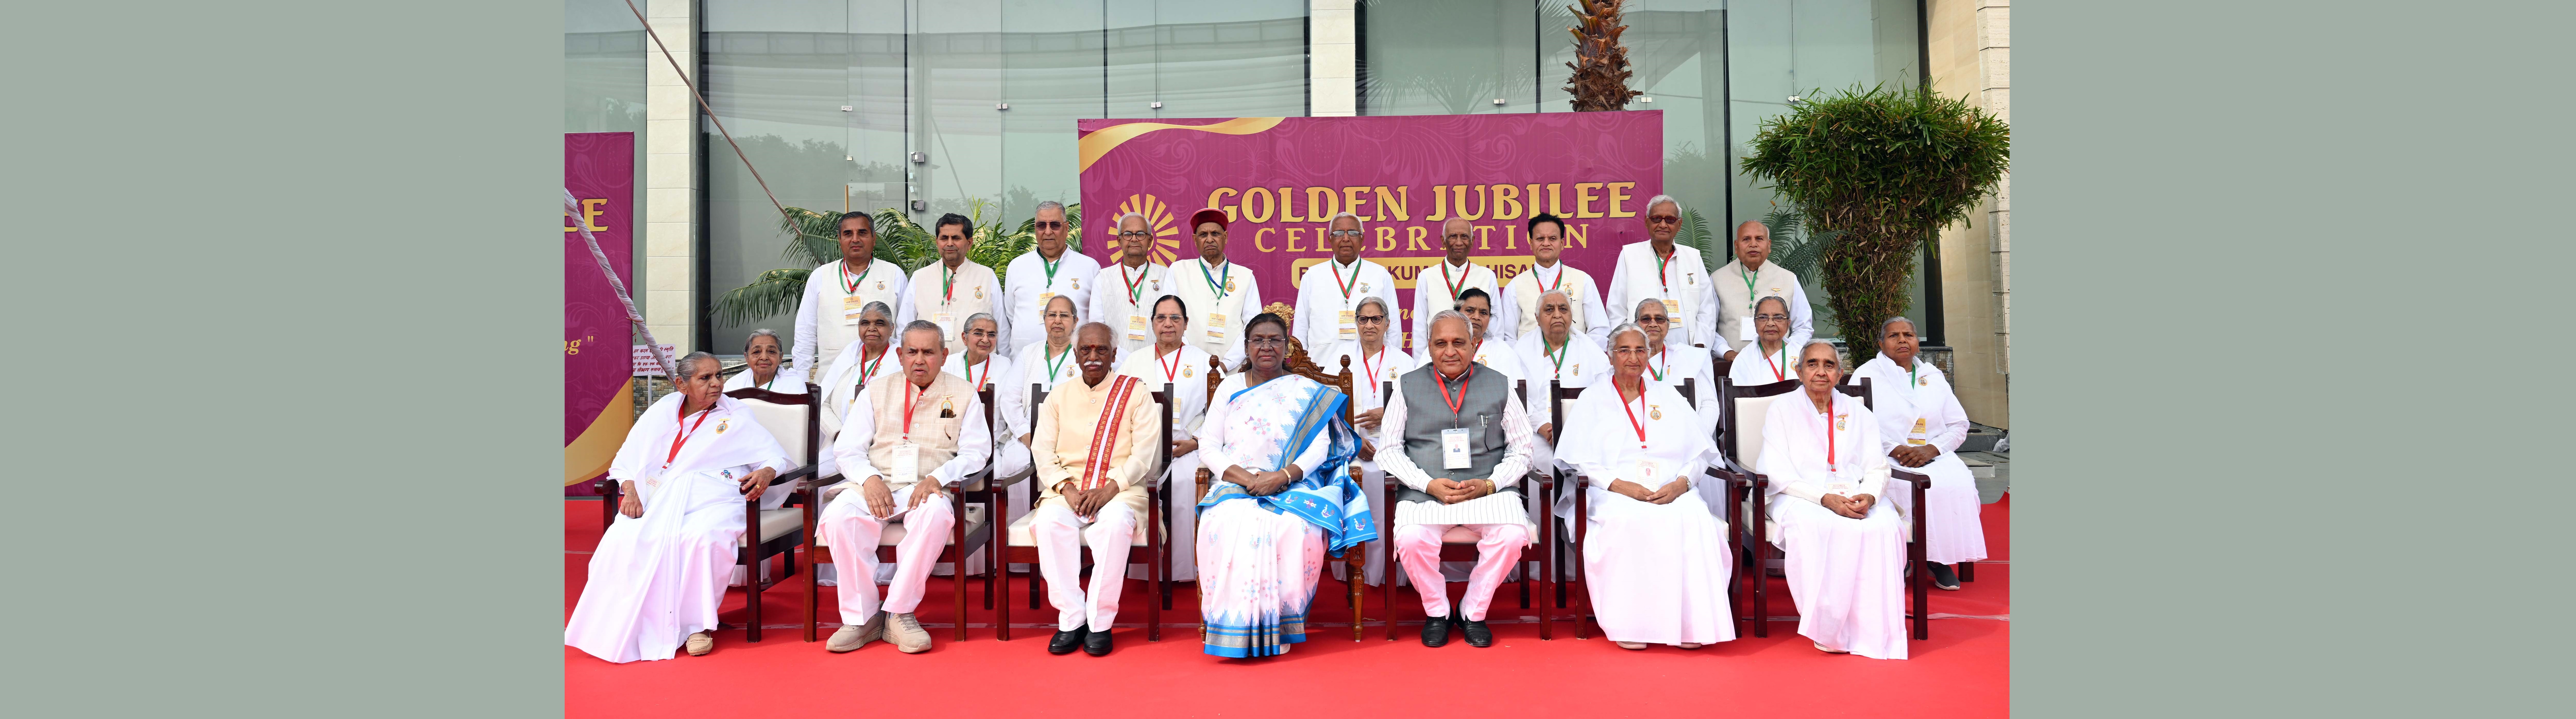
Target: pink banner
1282, 180
599, 170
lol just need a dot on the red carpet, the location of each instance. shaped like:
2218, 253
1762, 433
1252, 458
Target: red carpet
1962, 671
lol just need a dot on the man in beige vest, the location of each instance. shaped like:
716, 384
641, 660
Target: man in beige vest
902, 449
1095, 447
1668, 271
954, 288
1739, 287
1128, 288
1550, 274
827, 320
1222, 294
1438, 287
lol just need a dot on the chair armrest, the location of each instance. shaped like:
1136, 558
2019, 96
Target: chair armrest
792, 476
1017, 477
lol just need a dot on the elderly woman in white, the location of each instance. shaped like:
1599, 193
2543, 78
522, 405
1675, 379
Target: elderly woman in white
1920, 426
760, 356
1373, 363
1656, 560
1846, 549
1766, 360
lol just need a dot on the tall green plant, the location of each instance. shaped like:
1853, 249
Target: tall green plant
813, 238
1883, 170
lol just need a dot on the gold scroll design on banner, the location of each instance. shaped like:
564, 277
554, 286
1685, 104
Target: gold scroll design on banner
1100, 142
588, 455
1158, 220
1409, 270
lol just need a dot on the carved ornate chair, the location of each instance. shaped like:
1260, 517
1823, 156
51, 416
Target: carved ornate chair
1355, 559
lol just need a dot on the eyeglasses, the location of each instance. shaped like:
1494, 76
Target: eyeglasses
1050, 225
1344, 233
1171, 318
1134, 234
1212, 235
1662, 220
1770, 318
1653, 320
1057, 315
1265, 341
1370, 319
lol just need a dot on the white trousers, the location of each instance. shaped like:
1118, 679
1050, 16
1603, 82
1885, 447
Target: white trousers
1847, 575
1061, 535
852, 534
1952, 532
1498, 551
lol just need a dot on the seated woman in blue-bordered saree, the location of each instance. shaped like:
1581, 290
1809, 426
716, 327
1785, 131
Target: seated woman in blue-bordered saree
1278, 446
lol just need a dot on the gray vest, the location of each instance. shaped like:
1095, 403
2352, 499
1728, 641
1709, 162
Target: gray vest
1427, 413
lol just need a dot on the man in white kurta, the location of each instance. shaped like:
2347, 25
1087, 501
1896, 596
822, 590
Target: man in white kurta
1373, 363
1329, 294
1439, 287
1550, 274
1171, 361
1661, 269
683, 474
1222, 295
1845, 548
954, 288
1096, 442
1035, 278
827, 319
1655, 560
1920, 426
1769, 358
906, 446
1461, 462
1125, 300
1749, 278
1553, 352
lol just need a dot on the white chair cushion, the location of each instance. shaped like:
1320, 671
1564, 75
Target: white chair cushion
1022, 536
775, 523
1749, 413
894, 532
785, 422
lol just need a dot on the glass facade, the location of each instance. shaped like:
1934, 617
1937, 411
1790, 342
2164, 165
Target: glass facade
934, 77
604, 54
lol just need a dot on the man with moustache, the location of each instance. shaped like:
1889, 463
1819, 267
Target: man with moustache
903, 448
1095, 449
827, 320
949, 290
1328, 296
1461, 460
1550, 274
1127, 301
1035, 278
1220, 292
1440, 288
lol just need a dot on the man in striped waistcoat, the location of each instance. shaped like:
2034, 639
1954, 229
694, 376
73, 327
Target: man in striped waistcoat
1459, 440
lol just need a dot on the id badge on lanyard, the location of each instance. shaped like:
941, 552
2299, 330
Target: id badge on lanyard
1453, 449
907, 464
1136, 331
850, 306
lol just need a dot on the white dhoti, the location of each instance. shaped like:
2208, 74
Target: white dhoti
1952, 531
1498, 552
1657, 573
1061, 535
656, 579
1846, 575
852, 534
1257, 578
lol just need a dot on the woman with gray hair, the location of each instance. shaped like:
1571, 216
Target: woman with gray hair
1373, 363
1656, 561
761, 353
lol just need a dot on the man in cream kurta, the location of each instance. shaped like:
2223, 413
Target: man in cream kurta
828, 318
904, 448
1738, 288
1920, 427
1329, 294
1222, 295
1550, 274
1052, 271
1461, 462
1661, 269
1439, 286
954, 288
1125, 300
1095, 449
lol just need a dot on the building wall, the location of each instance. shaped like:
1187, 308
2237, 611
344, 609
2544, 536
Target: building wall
1971, 56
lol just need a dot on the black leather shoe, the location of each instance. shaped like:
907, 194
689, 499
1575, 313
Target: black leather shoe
1477, 634
1096, 643
1944, 577
1065, 642
1435, 631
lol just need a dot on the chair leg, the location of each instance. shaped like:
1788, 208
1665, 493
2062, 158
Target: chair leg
1002, 612
1386, 588
812, 586
1967, 571
1154, 580
751, 591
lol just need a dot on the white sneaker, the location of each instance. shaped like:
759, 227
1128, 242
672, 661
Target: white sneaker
906, 634
850, 638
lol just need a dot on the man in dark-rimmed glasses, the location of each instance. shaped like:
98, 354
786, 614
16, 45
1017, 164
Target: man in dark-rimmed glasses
1033, 278
1125, 302
1329, 293
1661, 269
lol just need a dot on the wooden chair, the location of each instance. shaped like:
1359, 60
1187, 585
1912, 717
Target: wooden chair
1459, 544
1740, 441
1580, 484
1020, 545
973, 531
795, 419
1355, 559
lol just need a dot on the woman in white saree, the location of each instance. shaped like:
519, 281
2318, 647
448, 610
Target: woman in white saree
1654, 557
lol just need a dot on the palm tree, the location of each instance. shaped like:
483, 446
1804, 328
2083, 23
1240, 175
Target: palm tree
1600, 80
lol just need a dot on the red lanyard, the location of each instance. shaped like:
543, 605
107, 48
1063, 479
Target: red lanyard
1778, 371
1366, 364
1346, 284
1551, 284
1134, 282
851, 283
909, 394
1172, 367
1662, 270
988, 373
1662, 360
947, 285
868, 368
1632, 414
683, 439
1456, 406
1829, 435
1453, 284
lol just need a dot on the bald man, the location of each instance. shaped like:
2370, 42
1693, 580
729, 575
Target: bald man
1098, 440
1438, 288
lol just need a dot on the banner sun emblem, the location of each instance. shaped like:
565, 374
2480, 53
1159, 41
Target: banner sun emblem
1158, 222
